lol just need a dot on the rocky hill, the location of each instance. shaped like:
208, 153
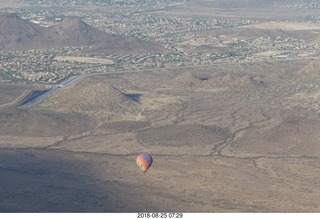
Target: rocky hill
19, 34
98, 99
191, 80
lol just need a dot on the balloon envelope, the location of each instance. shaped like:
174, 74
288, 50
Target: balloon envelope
144, 162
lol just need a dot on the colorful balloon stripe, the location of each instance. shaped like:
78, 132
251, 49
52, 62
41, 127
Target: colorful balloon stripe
144, 161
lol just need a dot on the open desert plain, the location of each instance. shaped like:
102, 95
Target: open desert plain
225, 95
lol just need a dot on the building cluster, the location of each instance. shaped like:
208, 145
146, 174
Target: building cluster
41, 65
162, 29
182, 35
298, 4
33, 66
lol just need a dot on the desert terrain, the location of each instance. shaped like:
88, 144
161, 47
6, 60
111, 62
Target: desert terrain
240, 143
238, 136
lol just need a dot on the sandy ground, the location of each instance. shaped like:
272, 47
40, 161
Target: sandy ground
90, 60
245, 139
250, 147
284, 26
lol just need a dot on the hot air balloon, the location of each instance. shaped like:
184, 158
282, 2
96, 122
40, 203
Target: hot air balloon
144, 162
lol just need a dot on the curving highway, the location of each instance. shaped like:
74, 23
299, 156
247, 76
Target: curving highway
31, 100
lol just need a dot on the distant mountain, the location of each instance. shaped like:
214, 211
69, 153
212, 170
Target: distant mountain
19, 34
75, 32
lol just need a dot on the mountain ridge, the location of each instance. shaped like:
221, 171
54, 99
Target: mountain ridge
19, 34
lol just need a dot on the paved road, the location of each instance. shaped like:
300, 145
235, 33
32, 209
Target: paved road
32, 102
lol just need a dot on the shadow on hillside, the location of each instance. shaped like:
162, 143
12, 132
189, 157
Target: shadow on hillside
134, 97
51, 181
